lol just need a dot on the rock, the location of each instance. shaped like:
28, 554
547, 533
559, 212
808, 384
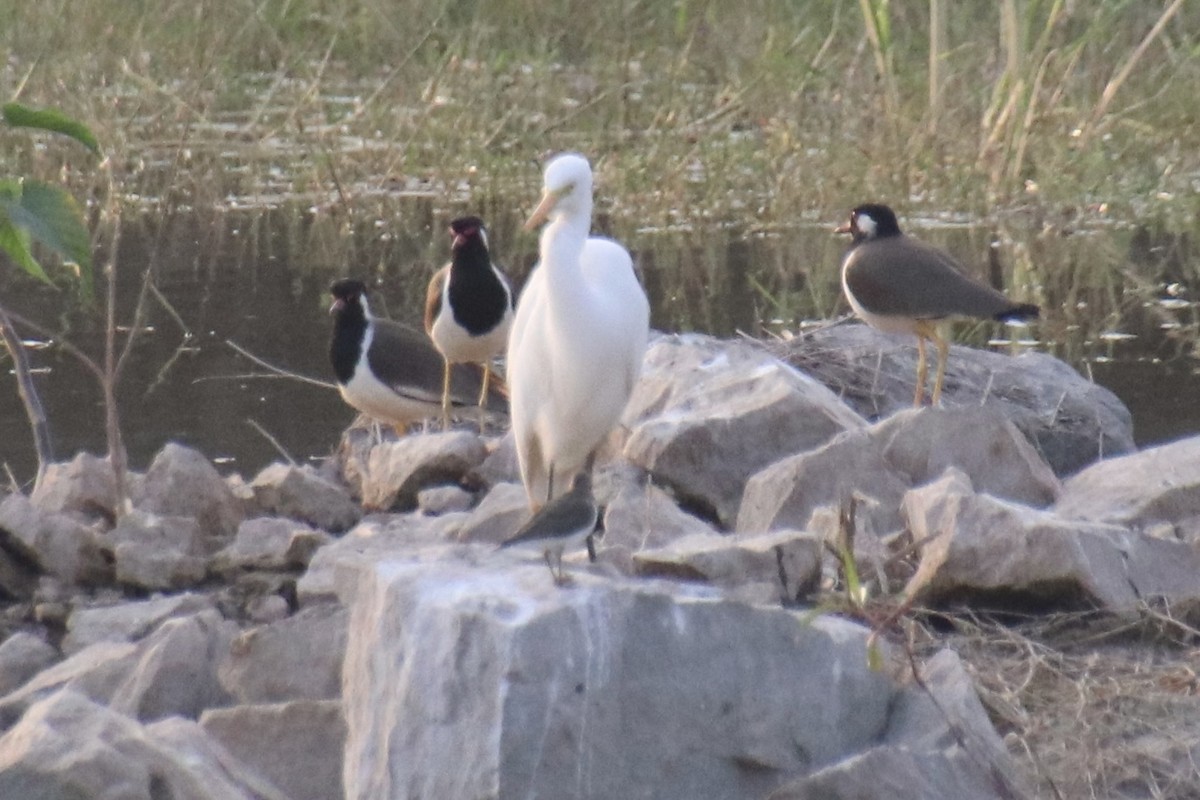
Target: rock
95, 672
977, 547
882, 462
69, 747
722, 411
182, 482
19, 568
498, 516
297, 745
501, 465
298, 658
1156, 490
84, 485
438, 500
773, 567
397, 470
127, 622
271, 543
939, 746
1069, 420
300, 493
462, 678
372, 539
56, 543
176, 669
642, 516
22, 656
158, 552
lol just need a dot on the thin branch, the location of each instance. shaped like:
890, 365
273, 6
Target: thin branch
27, 391
278, 370
274, 442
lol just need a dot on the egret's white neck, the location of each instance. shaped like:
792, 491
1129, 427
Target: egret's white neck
563, 239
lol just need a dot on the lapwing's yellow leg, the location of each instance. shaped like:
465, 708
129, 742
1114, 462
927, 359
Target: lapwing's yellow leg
446, 396
487, 377
943, 347
922, 368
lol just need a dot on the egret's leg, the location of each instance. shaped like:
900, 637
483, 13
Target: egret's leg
446, 396
943, 347
550, 484
922, 370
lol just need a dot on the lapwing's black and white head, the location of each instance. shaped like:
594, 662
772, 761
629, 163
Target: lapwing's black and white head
871, 221
469, 236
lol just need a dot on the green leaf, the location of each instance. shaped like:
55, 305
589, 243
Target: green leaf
49, 119
15, 243
50, 215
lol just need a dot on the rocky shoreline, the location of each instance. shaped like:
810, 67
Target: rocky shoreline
351, 629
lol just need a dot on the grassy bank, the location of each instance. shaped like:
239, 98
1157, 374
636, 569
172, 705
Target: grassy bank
757, 113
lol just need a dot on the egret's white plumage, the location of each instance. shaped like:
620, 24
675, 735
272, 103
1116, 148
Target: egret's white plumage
578, 337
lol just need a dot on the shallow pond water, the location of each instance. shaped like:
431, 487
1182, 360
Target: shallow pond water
1117, 304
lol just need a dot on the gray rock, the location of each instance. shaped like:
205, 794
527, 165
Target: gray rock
1068, 419
397, 470
501, 465
95, 672
1154, 491
22, 656
300, 493
175, 673
127, 622
713, 413
977, 546
298, 658
271, 543
56, 543
883, 461
84, 485
641, 516
297, 745
498, 516
67, 747
772, 567
19, 568
182, 482
939, 745
438, 500
372, 539
158, 552
465, 681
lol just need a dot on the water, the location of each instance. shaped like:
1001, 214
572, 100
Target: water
1117, 305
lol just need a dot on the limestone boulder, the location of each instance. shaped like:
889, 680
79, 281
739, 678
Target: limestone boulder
297, 745
1156, 491
707, 414
784, 566
271, 543
95, 672
67, 746
297, 658
182, 482
127, 622
977, 547
468, 679
500, 514
22, 656
56, 543
880, 463
437, 500
1069, 420
84, 485
640, 516
158, 552
397, 470
301, 493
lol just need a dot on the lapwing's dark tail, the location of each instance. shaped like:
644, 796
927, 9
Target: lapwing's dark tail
1019, 311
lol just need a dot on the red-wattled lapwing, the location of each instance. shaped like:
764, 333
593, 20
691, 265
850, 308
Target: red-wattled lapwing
391, 372
900, 285
567, 521
577, 339
468, 306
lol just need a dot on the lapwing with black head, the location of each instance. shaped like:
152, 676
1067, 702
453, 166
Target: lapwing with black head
566, 522
898, 284
391, 372
468, 306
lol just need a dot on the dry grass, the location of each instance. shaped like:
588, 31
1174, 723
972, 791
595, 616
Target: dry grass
1091, 706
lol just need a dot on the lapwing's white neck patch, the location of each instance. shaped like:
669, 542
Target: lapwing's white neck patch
866, 224
362, 299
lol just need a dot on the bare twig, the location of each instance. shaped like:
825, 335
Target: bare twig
27, 391
278, 370
274, 442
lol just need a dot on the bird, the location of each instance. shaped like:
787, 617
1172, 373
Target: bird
578, 336
900, 285
468, 307
392, 372
567, 521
